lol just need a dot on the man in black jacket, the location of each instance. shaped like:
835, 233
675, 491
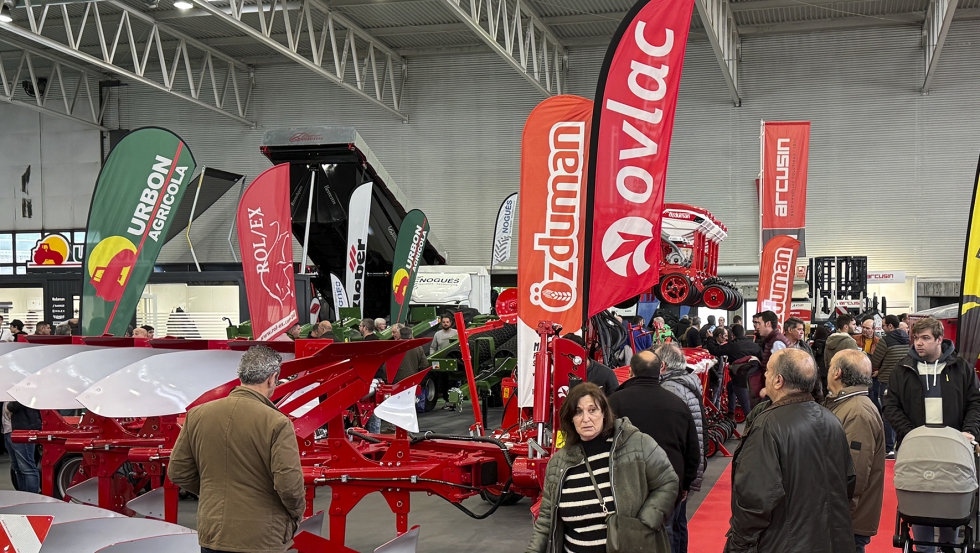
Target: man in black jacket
932, 385
738, 351
792, 474
597, 373
661, 415
22, 455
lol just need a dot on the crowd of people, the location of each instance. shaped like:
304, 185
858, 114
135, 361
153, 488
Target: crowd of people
822, 418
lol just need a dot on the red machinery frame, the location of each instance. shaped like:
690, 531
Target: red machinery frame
130, 455
690, 237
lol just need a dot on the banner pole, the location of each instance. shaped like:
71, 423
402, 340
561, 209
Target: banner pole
190, 221
762, 179
231, 229
306, 234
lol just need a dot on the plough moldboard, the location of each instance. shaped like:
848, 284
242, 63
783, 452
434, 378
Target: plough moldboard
136, 392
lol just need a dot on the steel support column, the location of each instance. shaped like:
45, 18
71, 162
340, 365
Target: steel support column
516, 33
725, 41
352, 60
934, 29
229, 81
67, 86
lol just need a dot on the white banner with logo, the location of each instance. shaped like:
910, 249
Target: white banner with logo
339, 294
503, 233
441, 288
358, 221
886, 277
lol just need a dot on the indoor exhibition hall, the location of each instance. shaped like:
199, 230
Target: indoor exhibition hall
516, 276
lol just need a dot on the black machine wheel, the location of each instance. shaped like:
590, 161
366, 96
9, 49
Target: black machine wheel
626, 304
65, 473
431, 393
712, 449
510, 498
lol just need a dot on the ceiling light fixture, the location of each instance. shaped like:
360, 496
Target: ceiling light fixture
183, 5
5, 16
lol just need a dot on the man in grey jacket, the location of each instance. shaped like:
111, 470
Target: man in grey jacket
684, 384
444, 336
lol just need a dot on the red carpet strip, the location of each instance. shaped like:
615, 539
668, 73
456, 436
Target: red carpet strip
709, 524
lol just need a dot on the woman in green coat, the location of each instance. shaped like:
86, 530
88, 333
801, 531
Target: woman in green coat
608, 458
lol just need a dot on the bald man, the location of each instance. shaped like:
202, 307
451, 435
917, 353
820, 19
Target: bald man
848, 385
792, 472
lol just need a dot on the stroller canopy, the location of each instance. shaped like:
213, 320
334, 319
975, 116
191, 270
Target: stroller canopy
935, 460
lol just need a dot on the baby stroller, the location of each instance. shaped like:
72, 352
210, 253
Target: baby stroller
936, 484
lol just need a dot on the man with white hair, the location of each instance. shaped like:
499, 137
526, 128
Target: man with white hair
848, 384
239, 455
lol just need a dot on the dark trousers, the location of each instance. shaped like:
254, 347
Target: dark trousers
875, 392
24, 466
206, 550
860, 542
677, 529
742, 395
889, 431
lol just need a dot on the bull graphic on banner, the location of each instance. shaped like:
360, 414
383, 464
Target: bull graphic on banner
265, 240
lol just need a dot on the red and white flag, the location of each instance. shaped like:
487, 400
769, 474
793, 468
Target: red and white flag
358, 223
265, 237
776, 274
785, 152
632, 124
554, 155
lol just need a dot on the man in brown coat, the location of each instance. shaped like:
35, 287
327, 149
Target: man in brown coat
414, 361
239, 455
848, 385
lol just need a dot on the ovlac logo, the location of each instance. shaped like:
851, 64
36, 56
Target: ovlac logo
625, 243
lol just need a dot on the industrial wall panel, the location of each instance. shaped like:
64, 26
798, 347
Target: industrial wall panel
890, 172
63, 157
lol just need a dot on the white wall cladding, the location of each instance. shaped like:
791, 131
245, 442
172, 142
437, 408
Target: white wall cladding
64, 160
457, 159
891, 170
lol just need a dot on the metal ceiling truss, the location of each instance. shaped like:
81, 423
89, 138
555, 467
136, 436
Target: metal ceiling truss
934, 29
509, 25
725, 40
221, 78
77, 87
378, 72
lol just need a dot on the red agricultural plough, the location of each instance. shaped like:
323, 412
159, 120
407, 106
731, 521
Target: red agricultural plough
135, 409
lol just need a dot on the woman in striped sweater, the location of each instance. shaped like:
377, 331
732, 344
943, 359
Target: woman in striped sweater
608, 457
